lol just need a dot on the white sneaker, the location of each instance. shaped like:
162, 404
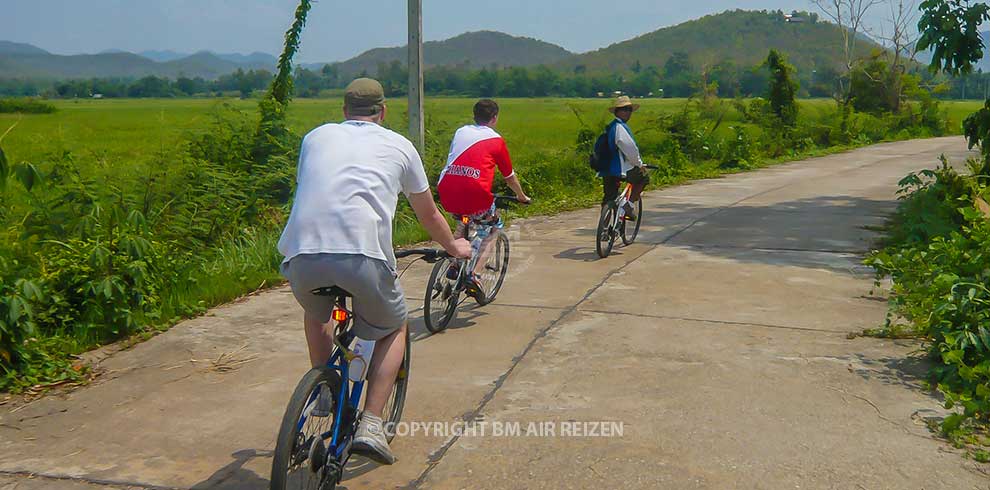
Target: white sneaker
370, 440
324, 404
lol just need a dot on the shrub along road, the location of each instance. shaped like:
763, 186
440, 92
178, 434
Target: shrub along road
717, 346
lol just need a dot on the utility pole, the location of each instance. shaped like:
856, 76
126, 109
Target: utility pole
416, 126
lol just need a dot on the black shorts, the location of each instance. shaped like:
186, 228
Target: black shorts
611, 183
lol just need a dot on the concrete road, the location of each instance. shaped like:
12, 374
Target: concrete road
713, 353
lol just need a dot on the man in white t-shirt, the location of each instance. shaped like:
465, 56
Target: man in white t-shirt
339, 233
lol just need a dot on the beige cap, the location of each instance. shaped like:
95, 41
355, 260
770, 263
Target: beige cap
364, 97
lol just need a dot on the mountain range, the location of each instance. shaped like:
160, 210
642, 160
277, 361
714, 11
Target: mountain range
744, 37
19, 60
472, 49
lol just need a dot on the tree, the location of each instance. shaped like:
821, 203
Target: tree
394, 78
782, 89
677, 65
150, 86
678, 80
185, 85
545, 81
646, 82
307, 83
485, 82
726, 75
951, 30
898, 36
244, 84
824, 82
868, 90
753, 81
849, 16
517, 83
331, 74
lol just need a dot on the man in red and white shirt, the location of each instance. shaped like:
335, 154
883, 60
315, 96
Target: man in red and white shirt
465, 185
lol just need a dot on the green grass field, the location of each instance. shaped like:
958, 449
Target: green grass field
122, 136
125, 134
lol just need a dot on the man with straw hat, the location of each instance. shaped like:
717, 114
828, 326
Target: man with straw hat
625, 160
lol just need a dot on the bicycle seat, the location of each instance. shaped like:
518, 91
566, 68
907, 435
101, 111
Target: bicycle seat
332, 291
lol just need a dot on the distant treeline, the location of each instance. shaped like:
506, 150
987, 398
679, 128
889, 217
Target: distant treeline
676, 78
243, 82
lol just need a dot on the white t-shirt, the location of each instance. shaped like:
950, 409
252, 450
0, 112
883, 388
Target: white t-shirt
628, 151
348, 183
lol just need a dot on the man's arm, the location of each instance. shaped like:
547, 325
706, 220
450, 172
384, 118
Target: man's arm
505, 167
513, 182
431, 219
625, 143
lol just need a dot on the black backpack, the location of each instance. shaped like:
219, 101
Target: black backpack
601, 154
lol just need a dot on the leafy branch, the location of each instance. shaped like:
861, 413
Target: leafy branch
273, 130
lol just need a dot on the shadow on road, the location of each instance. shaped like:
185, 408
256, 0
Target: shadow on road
234, 476
585, 254
467, 316
827, 232
910, 371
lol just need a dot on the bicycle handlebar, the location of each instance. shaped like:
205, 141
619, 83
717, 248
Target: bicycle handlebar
430, 255
507, 199
651, 167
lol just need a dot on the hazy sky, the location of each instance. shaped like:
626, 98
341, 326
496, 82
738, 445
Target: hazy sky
337, 30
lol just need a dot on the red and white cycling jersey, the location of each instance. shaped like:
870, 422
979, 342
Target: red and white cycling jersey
466, 182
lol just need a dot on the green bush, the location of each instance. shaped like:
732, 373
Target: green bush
25, 106
782, 89
88, 261
938, 256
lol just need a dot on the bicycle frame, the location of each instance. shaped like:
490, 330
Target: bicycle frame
469, 225
349, 397
621, 201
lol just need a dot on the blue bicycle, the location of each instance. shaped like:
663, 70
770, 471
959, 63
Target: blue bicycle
310, 452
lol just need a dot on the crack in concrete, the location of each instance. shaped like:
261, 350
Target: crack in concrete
719, 322
88, 481
532, 307
879, 412
774, 249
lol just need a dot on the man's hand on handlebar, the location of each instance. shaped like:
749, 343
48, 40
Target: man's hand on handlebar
523, 199
459, 248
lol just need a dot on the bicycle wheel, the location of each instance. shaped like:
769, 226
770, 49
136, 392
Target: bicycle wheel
291, 468
397, 400
630, 236
495, 269
440, 304
605, 234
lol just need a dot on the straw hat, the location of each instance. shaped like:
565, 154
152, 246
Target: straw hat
623, 101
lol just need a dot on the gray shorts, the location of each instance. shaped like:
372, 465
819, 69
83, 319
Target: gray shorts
378, 305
